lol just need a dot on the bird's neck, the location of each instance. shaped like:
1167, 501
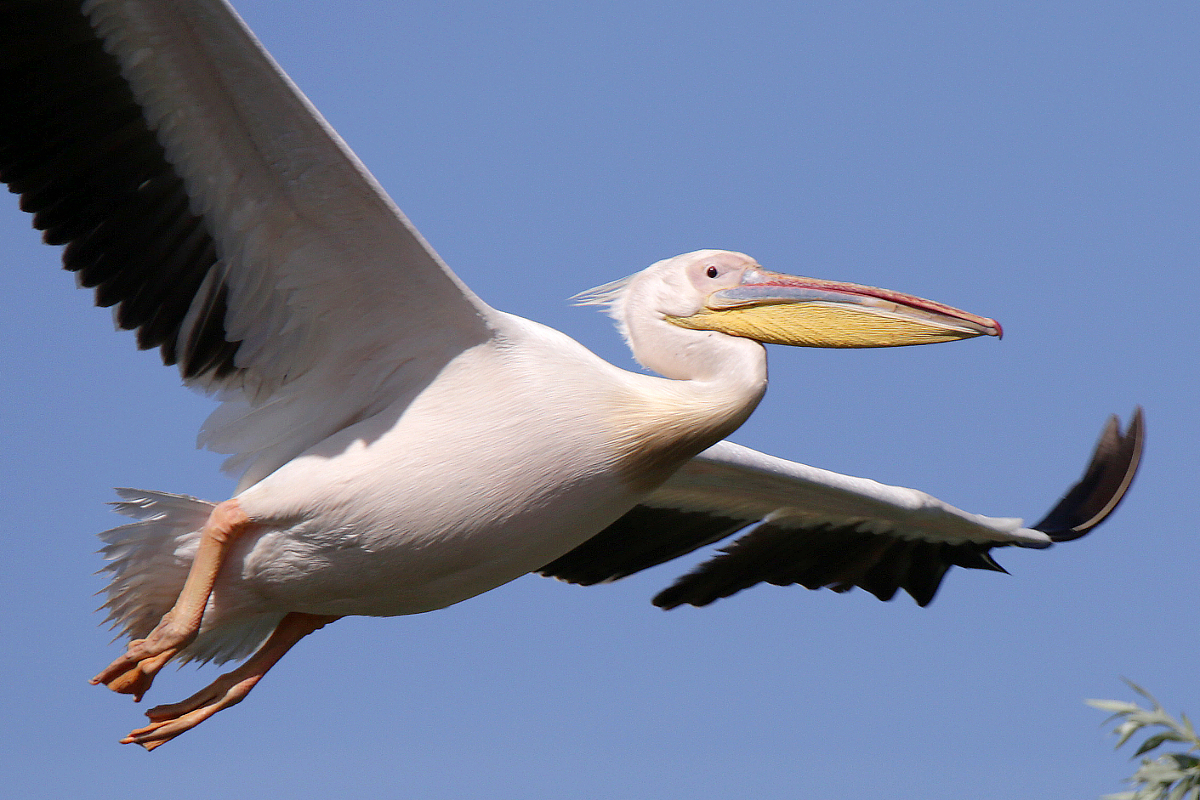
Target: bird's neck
669, 421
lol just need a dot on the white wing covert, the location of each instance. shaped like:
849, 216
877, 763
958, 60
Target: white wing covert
202, 195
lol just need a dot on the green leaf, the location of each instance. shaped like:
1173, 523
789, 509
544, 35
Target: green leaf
1142, 692
1125, 730
1172, 776
1157, 739
1187, 726
1113, 706
1178, 792
1184, 761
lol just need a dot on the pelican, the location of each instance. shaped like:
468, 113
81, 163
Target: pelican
401, 445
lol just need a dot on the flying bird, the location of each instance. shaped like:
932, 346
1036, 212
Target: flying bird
401, 445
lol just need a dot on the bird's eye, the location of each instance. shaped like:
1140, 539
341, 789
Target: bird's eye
712, 272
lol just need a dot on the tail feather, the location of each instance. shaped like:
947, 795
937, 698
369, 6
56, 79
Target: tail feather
149, 561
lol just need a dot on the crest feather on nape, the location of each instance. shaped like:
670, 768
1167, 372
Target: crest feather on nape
607, 294
610, 296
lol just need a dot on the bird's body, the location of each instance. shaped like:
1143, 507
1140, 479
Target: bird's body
424, 531
401, 445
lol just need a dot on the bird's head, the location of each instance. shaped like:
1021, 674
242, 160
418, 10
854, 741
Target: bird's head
730, 293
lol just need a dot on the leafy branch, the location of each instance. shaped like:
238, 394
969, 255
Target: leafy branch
1172, 776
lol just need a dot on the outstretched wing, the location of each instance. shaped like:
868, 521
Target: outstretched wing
202, 196
817, 528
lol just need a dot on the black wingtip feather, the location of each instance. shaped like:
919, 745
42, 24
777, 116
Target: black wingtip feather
837, 557
1103, 485
74, 143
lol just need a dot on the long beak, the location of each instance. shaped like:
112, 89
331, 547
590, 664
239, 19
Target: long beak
775, 308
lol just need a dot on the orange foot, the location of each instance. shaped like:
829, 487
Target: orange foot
134, 671
168, 721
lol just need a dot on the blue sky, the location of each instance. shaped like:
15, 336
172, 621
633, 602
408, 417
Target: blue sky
1033, 162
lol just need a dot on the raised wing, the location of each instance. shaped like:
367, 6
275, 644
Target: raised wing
201, 195
817, 528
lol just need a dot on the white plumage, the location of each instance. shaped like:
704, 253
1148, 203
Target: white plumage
403, 446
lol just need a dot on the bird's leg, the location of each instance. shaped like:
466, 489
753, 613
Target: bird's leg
167, 722
133, 672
